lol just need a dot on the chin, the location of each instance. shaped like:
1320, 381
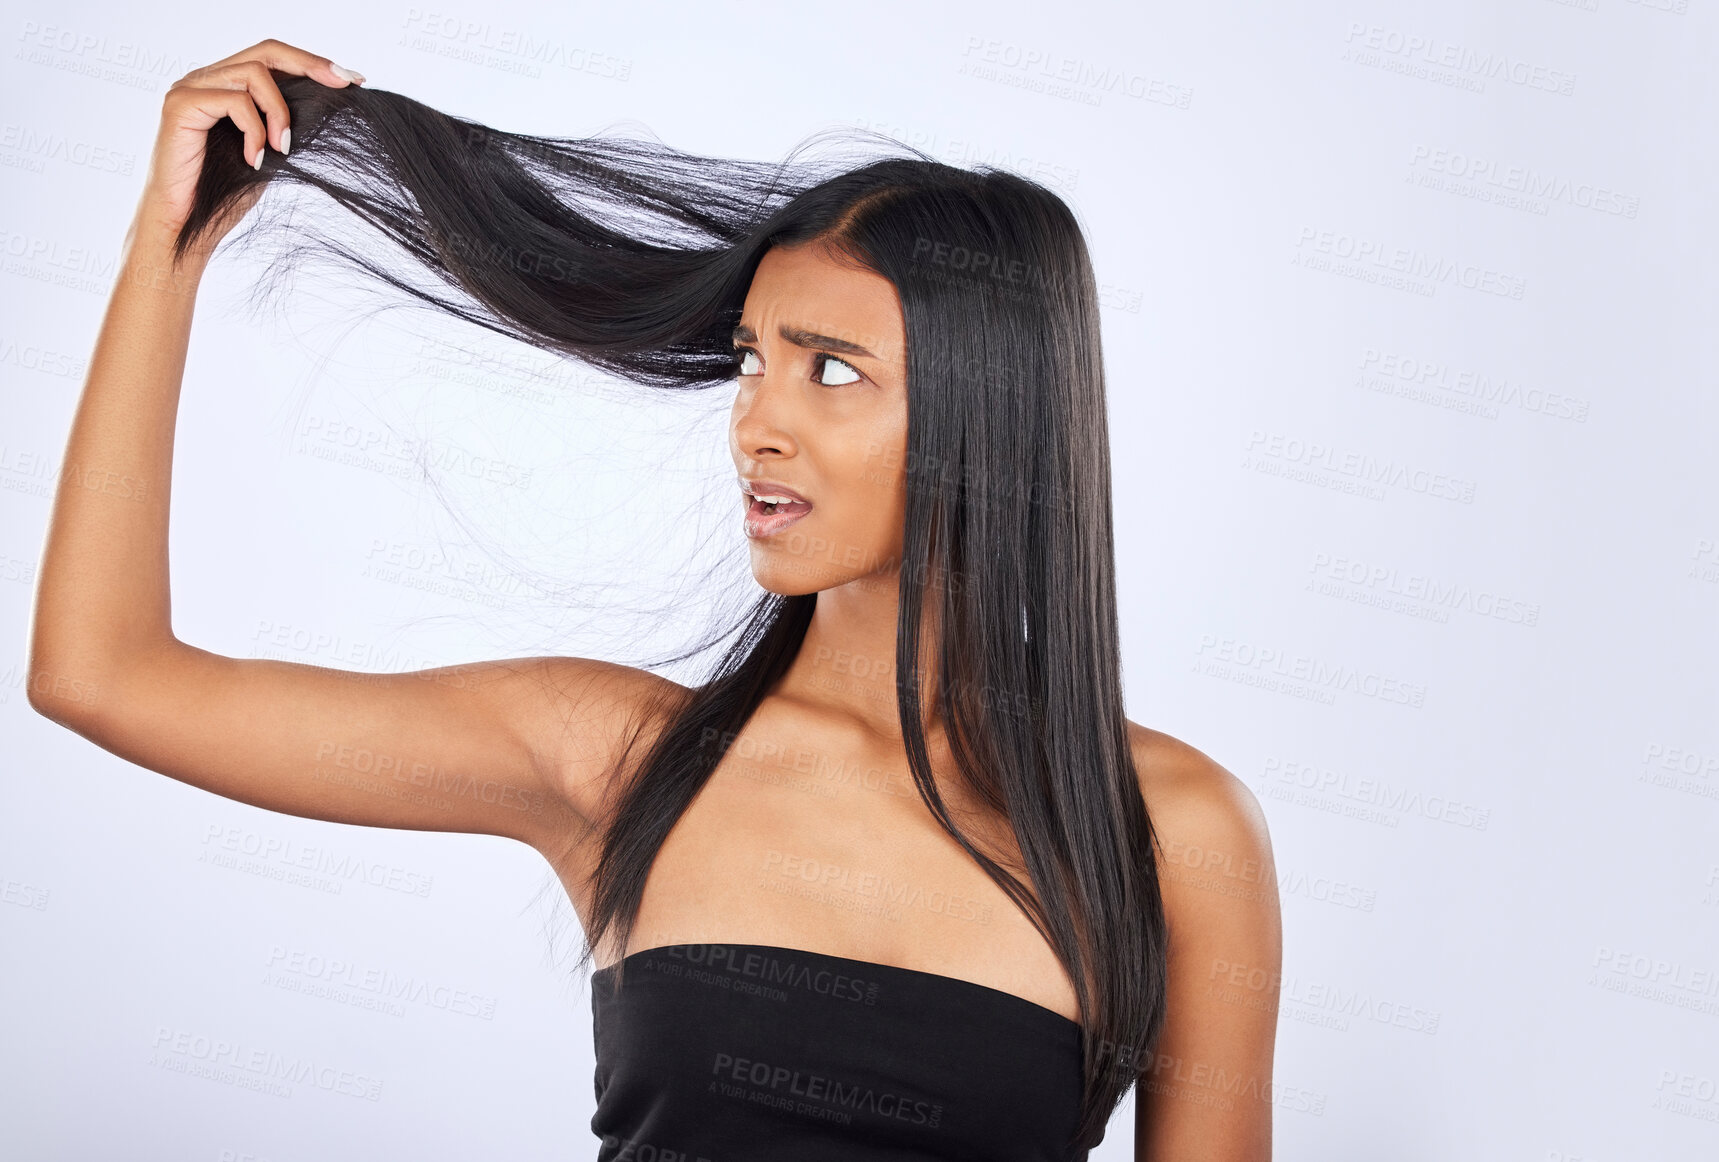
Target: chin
785, 579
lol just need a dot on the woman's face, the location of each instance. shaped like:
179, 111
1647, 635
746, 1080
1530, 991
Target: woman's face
821, 413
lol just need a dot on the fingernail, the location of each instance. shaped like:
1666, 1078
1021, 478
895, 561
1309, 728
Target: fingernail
258, 164
346, 74
286, 141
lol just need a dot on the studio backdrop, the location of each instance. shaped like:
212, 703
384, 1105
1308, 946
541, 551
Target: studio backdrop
1408, 330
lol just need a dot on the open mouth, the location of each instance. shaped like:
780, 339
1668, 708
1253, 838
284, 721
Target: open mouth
767, 515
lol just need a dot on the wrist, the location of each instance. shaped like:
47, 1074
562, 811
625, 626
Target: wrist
148, 257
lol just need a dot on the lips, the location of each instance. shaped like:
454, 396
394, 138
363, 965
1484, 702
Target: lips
770, 488
771, 507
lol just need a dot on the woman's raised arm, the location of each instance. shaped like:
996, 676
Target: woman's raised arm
509, 748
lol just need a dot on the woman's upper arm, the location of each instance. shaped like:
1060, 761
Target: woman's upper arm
512, 748
1206, 1093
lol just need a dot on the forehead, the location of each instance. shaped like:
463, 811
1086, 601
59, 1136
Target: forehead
802, 286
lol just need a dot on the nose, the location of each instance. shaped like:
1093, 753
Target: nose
762, 421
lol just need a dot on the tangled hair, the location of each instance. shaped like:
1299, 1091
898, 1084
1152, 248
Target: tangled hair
636, 259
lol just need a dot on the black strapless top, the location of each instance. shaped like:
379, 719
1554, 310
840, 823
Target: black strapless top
755, 1053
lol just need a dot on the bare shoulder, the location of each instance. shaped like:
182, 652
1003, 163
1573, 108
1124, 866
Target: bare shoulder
591, 713
611, 686
1216, 869
1219, 886
1192, 798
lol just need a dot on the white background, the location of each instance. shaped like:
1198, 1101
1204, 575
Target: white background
1408, 321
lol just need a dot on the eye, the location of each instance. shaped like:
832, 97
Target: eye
821, 361
824, 361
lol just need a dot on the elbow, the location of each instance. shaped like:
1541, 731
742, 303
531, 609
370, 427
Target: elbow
68, 695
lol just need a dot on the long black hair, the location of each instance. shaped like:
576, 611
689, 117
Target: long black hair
636, 258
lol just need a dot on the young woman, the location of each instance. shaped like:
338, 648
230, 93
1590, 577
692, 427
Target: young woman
899, 880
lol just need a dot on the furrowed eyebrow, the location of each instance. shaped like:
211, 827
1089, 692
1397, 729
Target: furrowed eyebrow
800, 337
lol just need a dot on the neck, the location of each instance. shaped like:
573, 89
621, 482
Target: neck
847, 661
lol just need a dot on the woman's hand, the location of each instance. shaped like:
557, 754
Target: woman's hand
241, 88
